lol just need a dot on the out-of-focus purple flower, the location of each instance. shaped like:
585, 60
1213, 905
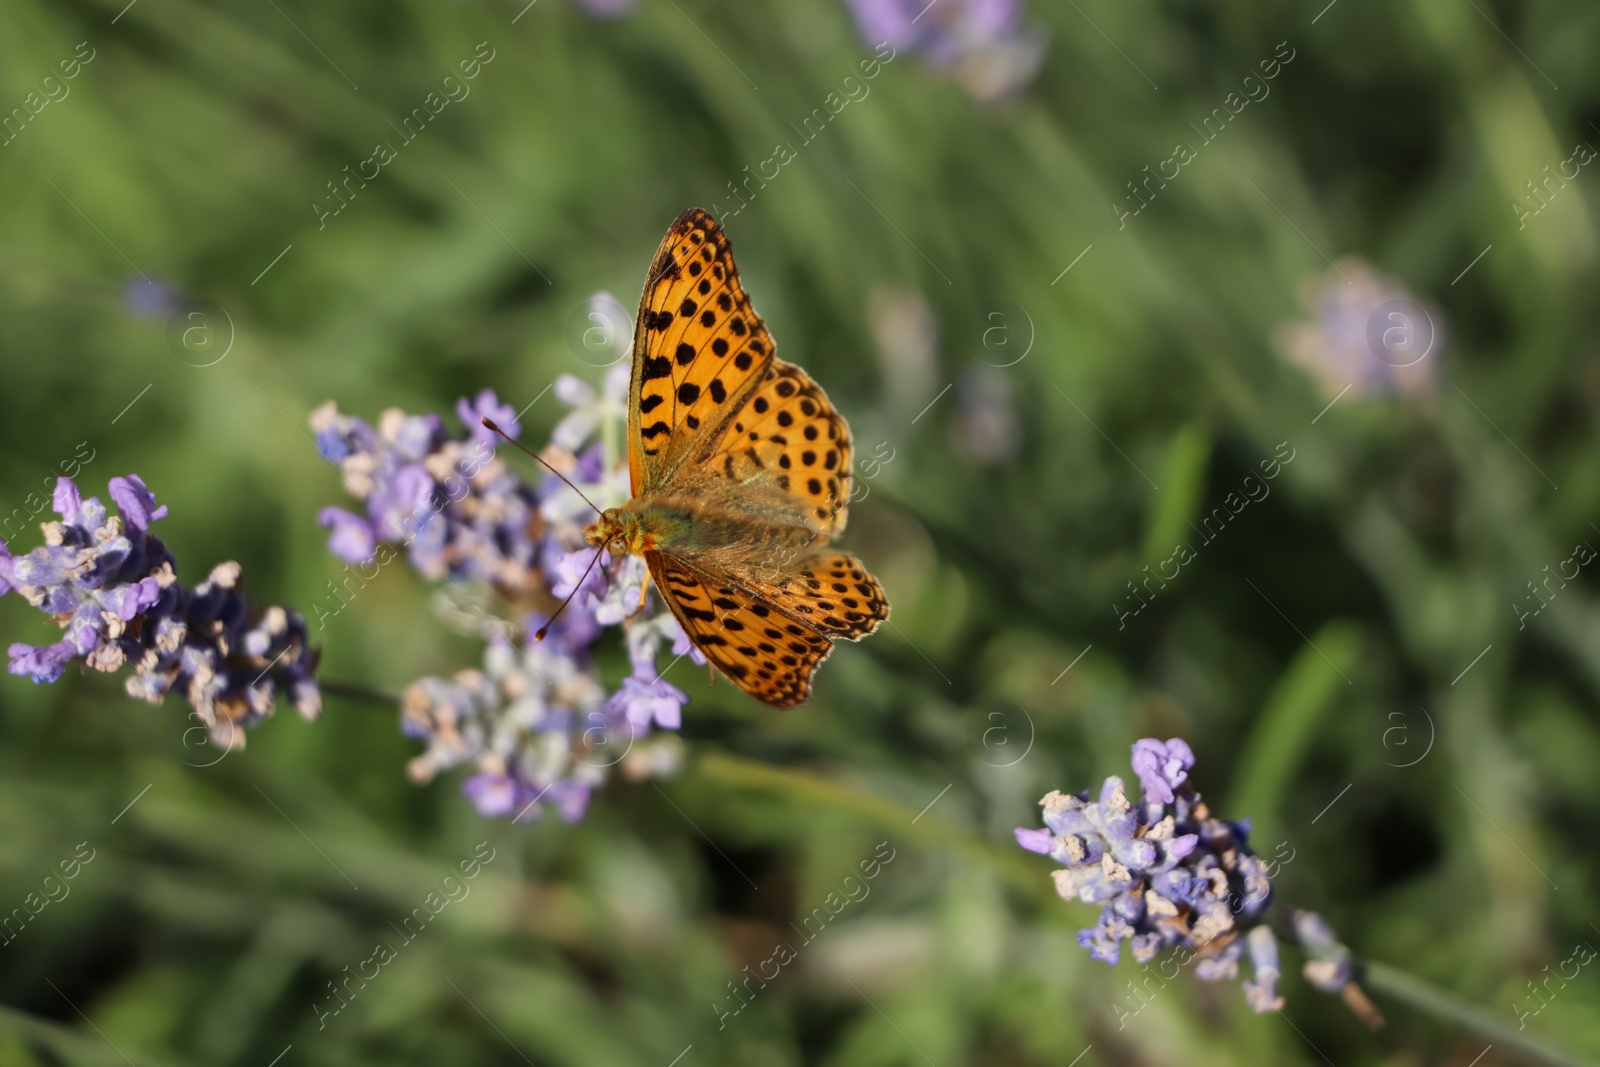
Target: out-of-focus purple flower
1167, 875
1329, 968
575, 574
608, 9
112, 587
887, 21
148, 299
536, 722
987, 45
985, 428
452, 503
538, 726
494, 795
1367, 333
590, 406
907, 337
488, 406
1263, 992
352, 539
646, 635
647, 702
1329, 965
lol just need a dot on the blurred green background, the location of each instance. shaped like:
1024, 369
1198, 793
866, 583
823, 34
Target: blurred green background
1349, 659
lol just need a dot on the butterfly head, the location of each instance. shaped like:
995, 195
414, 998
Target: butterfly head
618, 532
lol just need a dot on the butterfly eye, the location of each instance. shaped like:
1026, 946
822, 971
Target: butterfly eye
616, 546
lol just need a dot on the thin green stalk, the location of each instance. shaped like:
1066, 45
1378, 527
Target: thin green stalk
1418, 994
71, 1045
1009, 863
359, 694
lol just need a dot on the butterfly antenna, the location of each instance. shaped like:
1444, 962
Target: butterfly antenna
540, 634
489, 423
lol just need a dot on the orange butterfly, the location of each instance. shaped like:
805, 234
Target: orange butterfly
740, 473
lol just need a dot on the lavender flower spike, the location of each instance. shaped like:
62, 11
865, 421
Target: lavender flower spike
112, 586
537, 724
1167, 875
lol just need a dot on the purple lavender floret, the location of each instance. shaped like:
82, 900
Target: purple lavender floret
1329, 968
1168, 875
112, 587
1162, 766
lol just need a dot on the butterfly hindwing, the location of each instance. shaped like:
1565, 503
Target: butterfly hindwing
699, 349
766, 651
830, 590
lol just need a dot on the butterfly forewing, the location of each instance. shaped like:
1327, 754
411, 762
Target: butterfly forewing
788, 435
699, 349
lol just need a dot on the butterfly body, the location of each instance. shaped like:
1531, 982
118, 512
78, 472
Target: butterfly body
733, 535
740, 475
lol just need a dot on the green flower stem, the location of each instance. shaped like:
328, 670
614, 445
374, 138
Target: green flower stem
71, 1045
359, 694
1413, 991
1009, 862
